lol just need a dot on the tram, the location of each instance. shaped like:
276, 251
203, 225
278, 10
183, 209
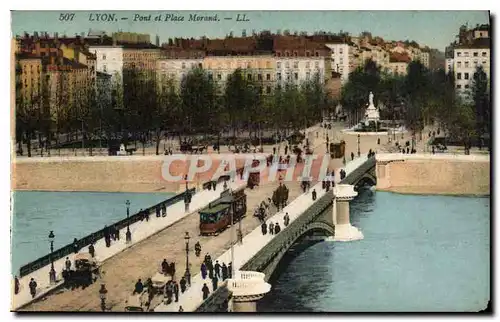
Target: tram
217, 216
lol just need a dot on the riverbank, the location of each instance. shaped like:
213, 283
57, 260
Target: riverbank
434, 174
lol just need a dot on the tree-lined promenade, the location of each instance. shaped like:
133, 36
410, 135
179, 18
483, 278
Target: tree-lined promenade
146, 109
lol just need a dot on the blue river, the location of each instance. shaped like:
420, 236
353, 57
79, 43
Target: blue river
420, 253
69, 214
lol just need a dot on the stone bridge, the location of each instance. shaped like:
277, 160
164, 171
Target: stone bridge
258, 256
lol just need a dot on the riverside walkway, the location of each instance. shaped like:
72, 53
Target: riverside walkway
252, 243
140, 231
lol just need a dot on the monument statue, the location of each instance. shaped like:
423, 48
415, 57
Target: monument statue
371, 113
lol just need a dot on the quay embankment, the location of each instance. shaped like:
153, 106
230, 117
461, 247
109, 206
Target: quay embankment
104, 174
444, 174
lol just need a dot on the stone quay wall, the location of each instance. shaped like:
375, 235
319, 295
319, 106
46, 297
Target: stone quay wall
455, 175
103, 174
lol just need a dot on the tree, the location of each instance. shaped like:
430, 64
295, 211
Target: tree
165, 109
481, 99
464, 124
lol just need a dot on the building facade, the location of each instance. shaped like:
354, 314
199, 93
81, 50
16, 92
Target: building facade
340, 58
467, 59
109, 60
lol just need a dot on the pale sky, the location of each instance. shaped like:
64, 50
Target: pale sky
433, 28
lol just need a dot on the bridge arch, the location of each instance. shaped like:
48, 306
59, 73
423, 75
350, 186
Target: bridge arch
316, 226
368, 178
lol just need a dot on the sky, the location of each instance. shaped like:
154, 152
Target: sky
436, 29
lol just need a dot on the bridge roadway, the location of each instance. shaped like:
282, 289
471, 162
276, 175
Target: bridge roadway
140, 230
252, 244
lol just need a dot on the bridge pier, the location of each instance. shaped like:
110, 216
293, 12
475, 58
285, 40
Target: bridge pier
247, 288
344, 231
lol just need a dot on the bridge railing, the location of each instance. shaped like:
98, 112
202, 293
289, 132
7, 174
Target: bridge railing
87, 240
359, 171
245, 275
264, 257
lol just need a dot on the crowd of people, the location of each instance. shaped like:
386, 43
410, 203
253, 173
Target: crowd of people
215, 272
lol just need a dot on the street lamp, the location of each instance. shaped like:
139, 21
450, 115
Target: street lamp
188, 273
359, 153
102, 295
52, 273
128, 235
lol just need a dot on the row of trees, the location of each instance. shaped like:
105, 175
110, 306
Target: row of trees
144, 108
422, 97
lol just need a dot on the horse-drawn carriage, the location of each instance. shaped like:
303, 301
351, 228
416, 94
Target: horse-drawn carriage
83, 274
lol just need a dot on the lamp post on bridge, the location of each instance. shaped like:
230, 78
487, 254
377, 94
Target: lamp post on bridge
102, 295
187, 274
52, 273
359, 153
128, 234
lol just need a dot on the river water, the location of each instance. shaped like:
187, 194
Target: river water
69, 214
420, 253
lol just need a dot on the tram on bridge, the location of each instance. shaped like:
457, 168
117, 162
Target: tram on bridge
217, 216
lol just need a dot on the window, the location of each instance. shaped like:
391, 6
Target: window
278, 54
308, 75
295, 64
466, 54
268, 89
459, 86
249, 76
466, 64
308, 65
484, 54
341, 60
484, 62
480, 34
475, 62
104, 69
466, 86
287, 53
287, 65
308, 53
466, 75
278, 76
340, 51
295, 54
459, 75
459, 54
183, 65
296, 76
316, 64
268, 76
103, 57
317, 54
475, 54
219, 76
459, 64
288, 76
278, 64
259, 77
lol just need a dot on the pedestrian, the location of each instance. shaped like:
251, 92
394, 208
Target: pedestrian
215, 280
139, 287
217, 269
205, 291
146, 213
172, 269
169, 292
210, 271
32, 286
92, 250
271, 228
224, 271
264, 228
117, 234
314, 194
352, 155
378, 141
75, 246
164, 266
274, 150
207, 258
286, 149
164, 210
181, 309
16, 285
203, 270
433, 151
230, 270
323, 184
176, 291
277, 228
286, 219
407, 150
183, 284
68, 263
158, 212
